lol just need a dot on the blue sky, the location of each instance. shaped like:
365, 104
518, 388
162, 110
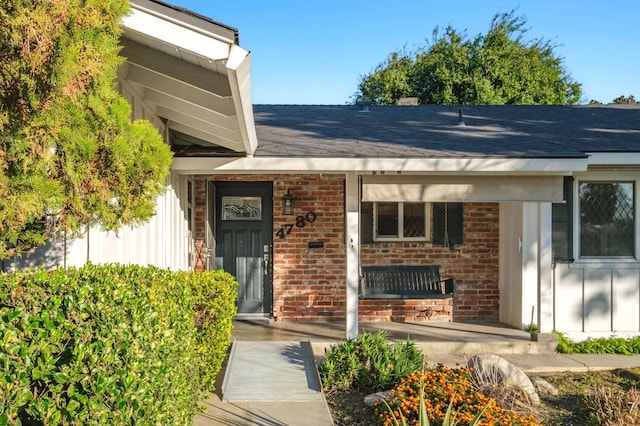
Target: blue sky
314, 52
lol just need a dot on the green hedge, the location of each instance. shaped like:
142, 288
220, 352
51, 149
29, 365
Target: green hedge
103, 345
215, 306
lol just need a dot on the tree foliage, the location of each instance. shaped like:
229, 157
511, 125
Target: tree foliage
499, 67
625, 100
70, 157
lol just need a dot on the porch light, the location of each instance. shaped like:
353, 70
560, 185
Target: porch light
287, 203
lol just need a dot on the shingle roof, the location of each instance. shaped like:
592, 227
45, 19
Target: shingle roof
433, 131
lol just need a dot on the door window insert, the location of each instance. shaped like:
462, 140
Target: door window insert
241, 208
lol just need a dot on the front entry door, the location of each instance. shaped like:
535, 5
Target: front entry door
243, 241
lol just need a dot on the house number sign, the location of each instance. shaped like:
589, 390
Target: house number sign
301, 222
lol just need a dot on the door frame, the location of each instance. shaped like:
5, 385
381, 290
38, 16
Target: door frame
212, 207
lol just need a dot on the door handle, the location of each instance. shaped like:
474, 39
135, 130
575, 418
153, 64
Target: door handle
266, 258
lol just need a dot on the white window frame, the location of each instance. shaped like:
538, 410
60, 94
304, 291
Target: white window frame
602, 176
399, 236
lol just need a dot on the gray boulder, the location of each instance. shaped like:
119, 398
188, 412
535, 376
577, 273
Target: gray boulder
544, 388
370, 400
491, 368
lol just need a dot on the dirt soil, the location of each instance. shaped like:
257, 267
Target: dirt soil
569, 408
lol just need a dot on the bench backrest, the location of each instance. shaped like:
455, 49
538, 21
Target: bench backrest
401, 281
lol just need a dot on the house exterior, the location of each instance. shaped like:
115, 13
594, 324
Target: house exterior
532, 209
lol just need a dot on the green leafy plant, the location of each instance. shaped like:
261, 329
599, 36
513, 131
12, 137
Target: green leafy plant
70, 155
369, 361
610, 345
100, 345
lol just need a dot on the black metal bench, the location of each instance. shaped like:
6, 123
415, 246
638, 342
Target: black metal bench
405, 282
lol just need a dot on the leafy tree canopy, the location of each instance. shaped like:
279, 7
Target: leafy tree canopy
70, 157
499, 67
625, 100
620, 100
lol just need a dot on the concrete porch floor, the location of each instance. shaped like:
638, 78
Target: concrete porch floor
457, 338
265, 329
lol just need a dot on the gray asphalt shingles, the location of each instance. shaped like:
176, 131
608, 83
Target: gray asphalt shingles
505, 131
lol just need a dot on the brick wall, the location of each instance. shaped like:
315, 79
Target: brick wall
309, 283
474, 264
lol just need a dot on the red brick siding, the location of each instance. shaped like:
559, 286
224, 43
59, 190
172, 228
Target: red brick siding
474, 264
405, 310
309, 284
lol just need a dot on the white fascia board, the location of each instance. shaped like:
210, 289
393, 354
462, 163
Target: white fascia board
172, 32
614, 158
239, 72
254, 165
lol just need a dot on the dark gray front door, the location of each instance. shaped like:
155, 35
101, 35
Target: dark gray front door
243, 241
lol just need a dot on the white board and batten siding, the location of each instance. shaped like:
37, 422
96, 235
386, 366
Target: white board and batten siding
597, 300
164, 241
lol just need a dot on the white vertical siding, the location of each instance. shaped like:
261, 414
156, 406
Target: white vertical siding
597, 300
545, 262
568, 285
160, 242
530, 262
626, 300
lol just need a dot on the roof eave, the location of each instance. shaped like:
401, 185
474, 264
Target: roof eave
213, 49
381, 165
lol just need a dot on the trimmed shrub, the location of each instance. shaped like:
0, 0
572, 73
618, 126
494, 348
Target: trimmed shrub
99, 345
215, 306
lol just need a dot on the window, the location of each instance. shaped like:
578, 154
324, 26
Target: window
607, 219
241, 208
447, 223
400, 221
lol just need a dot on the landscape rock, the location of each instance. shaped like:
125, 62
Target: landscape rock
370, 400
544, 388
495, 369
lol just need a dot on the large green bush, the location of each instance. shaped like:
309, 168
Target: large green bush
100, 345
215, 306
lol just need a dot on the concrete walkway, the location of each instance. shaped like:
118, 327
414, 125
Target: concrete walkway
271, 384
271, 378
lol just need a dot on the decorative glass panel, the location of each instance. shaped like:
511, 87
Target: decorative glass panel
414, 220
606, 219
387, 220
241, 208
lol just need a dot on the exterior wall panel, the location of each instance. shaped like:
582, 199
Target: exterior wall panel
511, 264
568, 298
597, 300
626, 300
